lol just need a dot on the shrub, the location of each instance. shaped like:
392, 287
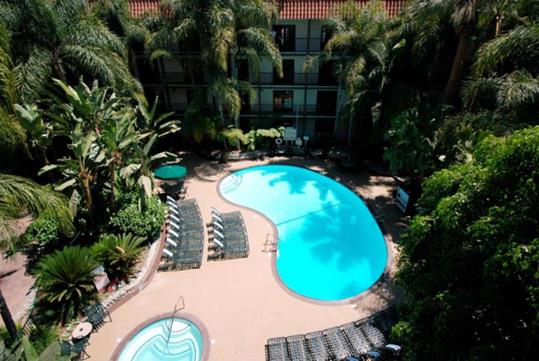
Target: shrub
42, 336
42, 237
65, 280
119, 254
146, 224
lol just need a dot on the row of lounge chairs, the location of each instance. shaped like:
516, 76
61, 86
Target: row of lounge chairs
228, 236
353, 341
185, 236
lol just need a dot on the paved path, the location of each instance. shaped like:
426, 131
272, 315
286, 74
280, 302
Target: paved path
239, 302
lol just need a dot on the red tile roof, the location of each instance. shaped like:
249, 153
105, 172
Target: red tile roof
321, 9
288, 9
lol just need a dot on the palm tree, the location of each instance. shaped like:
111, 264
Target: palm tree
65, 280
7, 318
119, 254
224, 30
19, 194
362, 40
60, 38
11, 133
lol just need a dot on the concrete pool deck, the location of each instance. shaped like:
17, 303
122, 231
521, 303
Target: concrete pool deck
239, 302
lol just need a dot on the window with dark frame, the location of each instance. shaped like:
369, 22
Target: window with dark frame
326, 34
285, 37
283, 101
288, 73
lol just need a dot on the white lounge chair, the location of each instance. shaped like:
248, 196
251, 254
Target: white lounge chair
168, 253
175, 225
218, 234
171, 231
215, 211
175, 218
218, 242
174, 210
171, 242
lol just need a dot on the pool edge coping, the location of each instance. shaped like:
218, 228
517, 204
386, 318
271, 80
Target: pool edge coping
206, 341
381, 280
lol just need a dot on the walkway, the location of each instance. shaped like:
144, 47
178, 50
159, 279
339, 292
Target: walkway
239, 301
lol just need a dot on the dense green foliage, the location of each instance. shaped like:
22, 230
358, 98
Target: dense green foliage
65, 281
146, 223
470, 258
119, 254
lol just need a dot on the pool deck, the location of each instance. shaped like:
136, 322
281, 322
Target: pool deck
239, 302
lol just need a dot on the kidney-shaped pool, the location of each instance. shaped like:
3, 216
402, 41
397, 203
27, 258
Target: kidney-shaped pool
330, 247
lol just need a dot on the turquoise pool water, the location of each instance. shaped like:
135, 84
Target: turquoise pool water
150, 343
330, 247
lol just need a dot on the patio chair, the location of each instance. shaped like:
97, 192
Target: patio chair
75, 348
168, 253
171, 242
337, 343
96, 315
215, 211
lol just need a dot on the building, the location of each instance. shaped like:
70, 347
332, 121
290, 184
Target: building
308, 100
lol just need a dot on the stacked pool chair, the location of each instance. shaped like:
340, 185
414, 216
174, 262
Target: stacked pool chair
359, 340
228, 236
184, 244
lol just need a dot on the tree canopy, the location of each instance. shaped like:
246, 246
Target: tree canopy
470, 258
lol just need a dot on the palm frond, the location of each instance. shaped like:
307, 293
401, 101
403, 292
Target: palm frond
518, 49
18, 194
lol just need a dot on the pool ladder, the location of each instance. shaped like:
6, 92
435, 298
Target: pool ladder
270, 245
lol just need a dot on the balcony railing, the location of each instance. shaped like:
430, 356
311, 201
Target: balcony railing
303, 45
265, 79
253, 109
299, 109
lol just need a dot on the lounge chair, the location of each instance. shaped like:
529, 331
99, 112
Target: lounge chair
174, 233
171, 242
215, 211
168, 253
96, 315
173, 217
74, 348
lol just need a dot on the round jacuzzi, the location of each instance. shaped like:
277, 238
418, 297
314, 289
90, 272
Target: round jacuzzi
163, 340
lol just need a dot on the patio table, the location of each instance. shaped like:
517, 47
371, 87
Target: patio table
82, 330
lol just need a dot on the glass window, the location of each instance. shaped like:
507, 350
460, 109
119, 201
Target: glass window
285, 37
283, 100
288, 73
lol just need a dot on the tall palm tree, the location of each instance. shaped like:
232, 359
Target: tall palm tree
60, 38
224, 31
11, 132
5, 313
427, 18
19, 194
362, 41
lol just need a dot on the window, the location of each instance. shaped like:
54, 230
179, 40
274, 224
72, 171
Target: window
285, 37
327, 73
326, 102
288, 73
327, 33
147, 71
324, 126
243, 70
283, 100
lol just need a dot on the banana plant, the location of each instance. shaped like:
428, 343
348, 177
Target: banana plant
139, 171
80, 171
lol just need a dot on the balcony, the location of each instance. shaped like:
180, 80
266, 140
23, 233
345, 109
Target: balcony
295, 109
303, 45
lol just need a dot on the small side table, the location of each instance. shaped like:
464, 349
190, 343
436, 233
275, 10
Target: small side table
82, 330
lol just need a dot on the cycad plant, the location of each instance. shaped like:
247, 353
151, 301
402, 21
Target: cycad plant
61, 39
65, 280
119, 254
224, 30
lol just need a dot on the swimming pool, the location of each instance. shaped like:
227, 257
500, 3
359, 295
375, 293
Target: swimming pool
330, 247
150, 343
